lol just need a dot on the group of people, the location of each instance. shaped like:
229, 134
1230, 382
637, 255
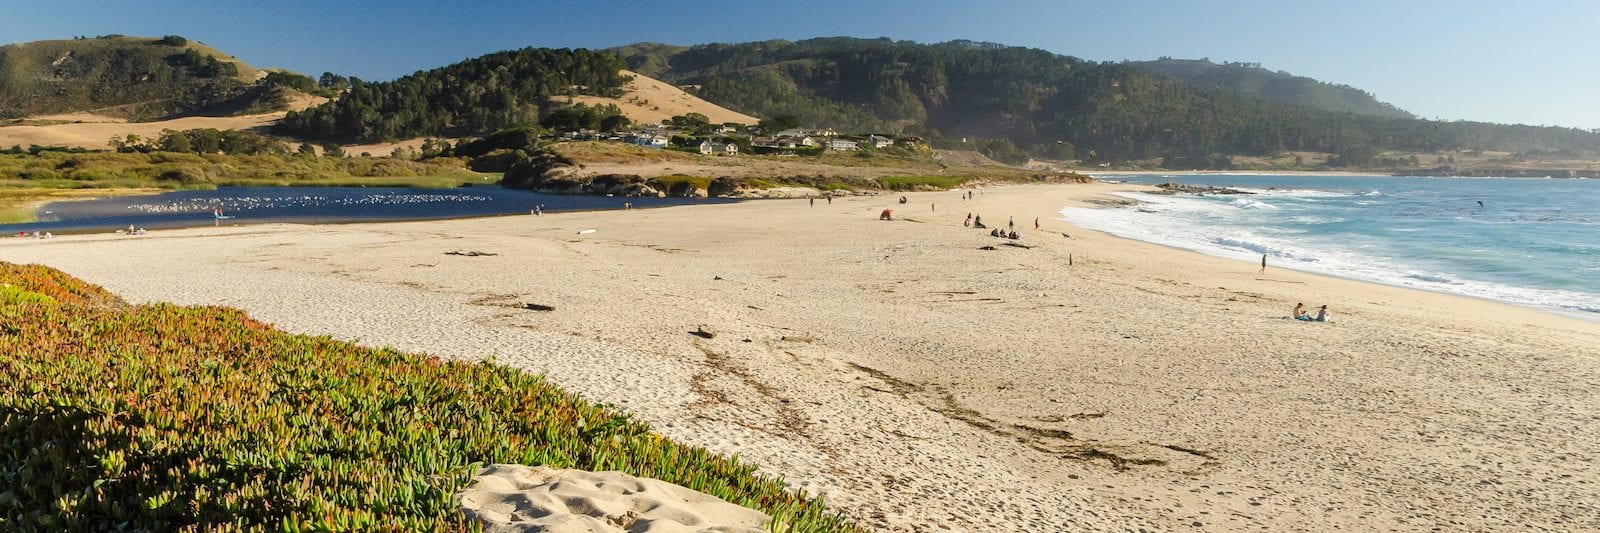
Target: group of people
976, 221
37, 235
997, 232
1301, 313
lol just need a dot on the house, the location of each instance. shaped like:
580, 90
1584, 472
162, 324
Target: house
724, 148
650, 141
879, 142
839, 145
909, 141
793, 132
703, 147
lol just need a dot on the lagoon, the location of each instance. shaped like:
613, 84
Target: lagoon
253, 205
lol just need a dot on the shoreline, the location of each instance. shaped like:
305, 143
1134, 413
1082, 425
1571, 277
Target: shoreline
1556, 311
915, 377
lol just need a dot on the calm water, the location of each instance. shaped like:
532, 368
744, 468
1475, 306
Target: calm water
311, 204
1532, 241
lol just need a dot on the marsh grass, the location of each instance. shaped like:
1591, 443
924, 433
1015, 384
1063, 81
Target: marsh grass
906, 183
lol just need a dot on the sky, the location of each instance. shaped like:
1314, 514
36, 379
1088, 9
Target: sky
1529, 62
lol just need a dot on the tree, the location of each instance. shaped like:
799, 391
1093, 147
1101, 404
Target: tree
175, 143
694, 122
332, 150
306, 150
777, 123
615, 123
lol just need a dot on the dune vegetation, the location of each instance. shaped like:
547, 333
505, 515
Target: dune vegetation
160, 417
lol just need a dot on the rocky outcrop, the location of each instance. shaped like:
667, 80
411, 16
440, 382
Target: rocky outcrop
1180, 188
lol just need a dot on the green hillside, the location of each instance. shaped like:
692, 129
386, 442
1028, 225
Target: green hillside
139, 78
1251, 79
475, 96
1048, 104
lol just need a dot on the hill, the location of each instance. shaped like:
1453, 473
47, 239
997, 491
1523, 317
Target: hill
1048, 105
1251, 79
645, 99
136, 78
478, 95
94, 132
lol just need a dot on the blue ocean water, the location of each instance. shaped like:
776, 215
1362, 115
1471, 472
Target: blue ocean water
1532, 241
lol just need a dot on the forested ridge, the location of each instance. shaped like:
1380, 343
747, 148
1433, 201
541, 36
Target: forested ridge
1251, 79
1048, 104
475, 96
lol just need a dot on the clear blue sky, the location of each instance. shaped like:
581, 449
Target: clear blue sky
1532, 62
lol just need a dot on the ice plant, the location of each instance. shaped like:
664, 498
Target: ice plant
197, 418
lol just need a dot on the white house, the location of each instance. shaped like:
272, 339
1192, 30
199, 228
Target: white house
840, 145
879, 142
724, 148
703, 147
650, 141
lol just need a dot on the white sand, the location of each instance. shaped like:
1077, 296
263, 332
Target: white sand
923, 383
510, 498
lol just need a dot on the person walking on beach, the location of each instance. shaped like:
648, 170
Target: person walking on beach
1011, 222
813, 200
1035, 222
830, 199
1263, 264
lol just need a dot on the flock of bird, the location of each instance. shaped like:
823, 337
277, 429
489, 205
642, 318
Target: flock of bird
249, 203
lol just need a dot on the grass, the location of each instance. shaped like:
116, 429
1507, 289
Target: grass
906, 183
161, 417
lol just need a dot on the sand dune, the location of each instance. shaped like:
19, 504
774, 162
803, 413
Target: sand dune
521, 498
923, 382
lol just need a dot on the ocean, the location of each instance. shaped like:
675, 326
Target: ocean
1532, 242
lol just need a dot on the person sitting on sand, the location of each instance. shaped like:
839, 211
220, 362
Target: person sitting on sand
1014, 235
968, 221
887, 214
1300, 312
1322, 314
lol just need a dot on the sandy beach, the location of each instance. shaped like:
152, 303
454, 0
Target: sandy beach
925, 384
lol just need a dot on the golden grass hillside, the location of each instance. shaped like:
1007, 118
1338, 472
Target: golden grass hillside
646, 100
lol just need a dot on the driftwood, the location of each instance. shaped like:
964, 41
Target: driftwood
703, 332
538, 307
469, 253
